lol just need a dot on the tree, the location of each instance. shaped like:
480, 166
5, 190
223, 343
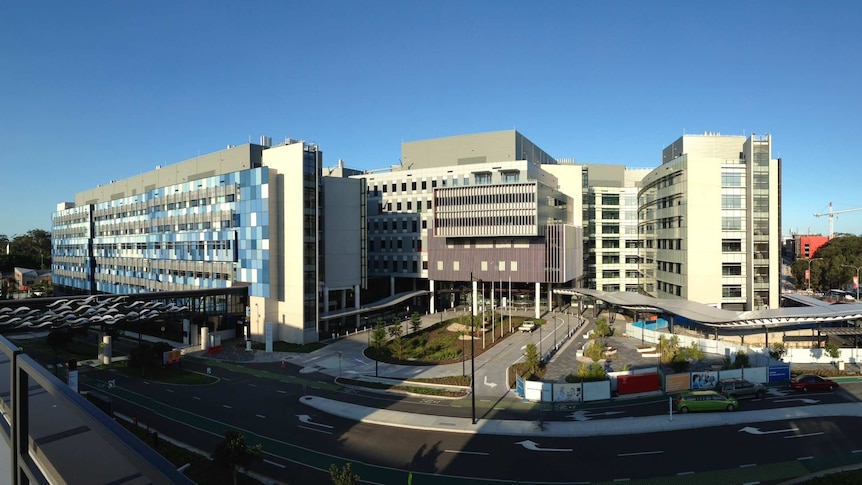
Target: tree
234, 454
343, 475
395, 332
603, 329
591, 372
741, 360
531, 360
832, 350
595, 350
378, 340
777, 351
415, 322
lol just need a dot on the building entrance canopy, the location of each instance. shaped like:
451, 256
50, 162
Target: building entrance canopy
718, 318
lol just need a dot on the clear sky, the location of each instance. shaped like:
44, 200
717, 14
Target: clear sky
95, 91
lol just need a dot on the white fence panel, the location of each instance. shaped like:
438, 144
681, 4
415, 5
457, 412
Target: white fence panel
730, 374
758, 375
597, 391
533, 390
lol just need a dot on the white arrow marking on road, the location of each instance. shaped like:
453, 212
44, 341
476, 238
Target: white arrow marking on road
585, 416
533, 446
490, 384
803, 399
750, 430
307, 420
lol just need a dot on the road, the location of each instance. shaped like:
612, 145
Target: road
262, 400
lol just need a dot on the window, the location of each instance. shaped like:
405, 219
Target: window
610, 199
731, 179
731, 223
412, 185
731, 291
424, 185
731, 269
482, 178
511, 176
731, 245
729, 201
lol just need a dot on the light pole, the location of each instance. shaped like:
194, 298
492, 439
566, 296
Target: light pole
555, 330
339, 364
855, 282
808, 275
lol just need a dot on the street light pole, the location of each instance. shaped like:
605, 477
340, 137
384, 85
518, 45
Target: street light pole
809, 272
855, 283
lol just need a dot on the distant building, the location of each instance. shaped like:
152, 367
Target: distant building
807, 245
710, 222
250, 215
479, 206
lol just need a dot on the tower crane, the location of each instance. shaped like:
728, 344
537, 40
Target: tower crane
832, 215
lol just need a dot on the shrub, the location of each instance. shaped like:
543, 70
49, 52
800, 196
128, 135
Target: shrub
741, 360
590, 372
595, 350
777, 351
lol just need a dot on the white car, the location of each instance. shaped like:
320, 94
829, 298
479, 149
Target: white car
527, 326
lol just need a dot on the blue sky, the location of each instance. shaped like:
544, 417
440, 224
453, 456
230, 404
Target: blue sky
94, 91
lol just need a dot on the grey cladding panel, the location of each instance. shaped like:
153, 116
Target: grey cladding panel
202, 175
471, 160
118, 195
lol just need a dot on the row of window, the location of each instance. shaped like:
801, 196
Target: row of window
486, 221
384, 244
168, 245
376, 226
398, 206
486, 199
482, 178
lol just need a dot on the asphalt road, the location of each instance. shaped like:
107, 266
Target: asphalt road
262, 400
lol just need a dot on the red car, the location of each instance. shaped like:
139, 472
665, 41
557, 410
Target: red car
812, 382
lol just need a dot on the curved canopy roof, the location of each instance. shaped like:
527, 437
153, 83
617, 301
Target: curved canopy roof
716, 317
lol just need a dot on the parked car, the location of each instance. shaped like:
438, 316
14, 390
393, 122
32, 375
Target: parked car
693, 401
740, 388
812, 382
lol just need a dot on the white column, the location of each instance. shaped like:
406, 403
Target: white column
106, 350
538, 298
205, 339
431, 289
550, 297
356, 303
391, 285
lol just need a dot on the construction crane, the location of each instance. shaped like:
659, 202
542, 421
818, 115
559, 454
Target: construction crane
832, 215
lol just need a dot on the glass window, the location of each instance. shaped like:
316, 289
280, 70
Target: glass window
731, 223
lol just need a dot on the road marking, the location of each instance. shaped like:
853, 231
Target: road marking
315, 429
274, 463
261, 416
751, 483
684, 473
751, 430
804, 435
748, 465
533, 446
226, 406
804, 400
639, 453
252, 385
622, 480
304, 418
195, 397
805, 458
169, 390
460, 452
281, 392
856, 451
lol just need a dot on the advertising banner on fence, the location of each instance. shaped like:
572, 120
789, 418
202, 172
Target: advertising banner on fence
676, 383
704, 380
779, 373
567, 392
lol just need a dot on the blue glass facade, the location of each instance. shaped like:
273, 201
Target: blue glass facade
204, 233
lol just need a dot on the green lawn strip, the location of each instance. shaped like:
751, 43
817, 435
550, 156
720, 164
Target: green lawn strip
166, 376
732, 476
424, 390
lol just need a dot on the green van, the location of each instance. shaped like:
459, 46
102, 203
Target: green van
693, 401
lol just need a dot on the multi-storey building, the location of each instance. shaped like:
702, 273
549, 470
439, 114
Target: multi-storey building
472, 206
249, 215
709, 220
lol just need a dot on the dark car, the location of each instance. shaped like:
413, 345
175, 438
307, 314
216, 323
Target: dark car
740, 388
812, 382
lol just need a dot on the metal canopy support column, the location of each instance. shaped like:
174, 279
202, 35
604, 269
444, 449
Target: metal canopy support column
538, 299
431, 298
